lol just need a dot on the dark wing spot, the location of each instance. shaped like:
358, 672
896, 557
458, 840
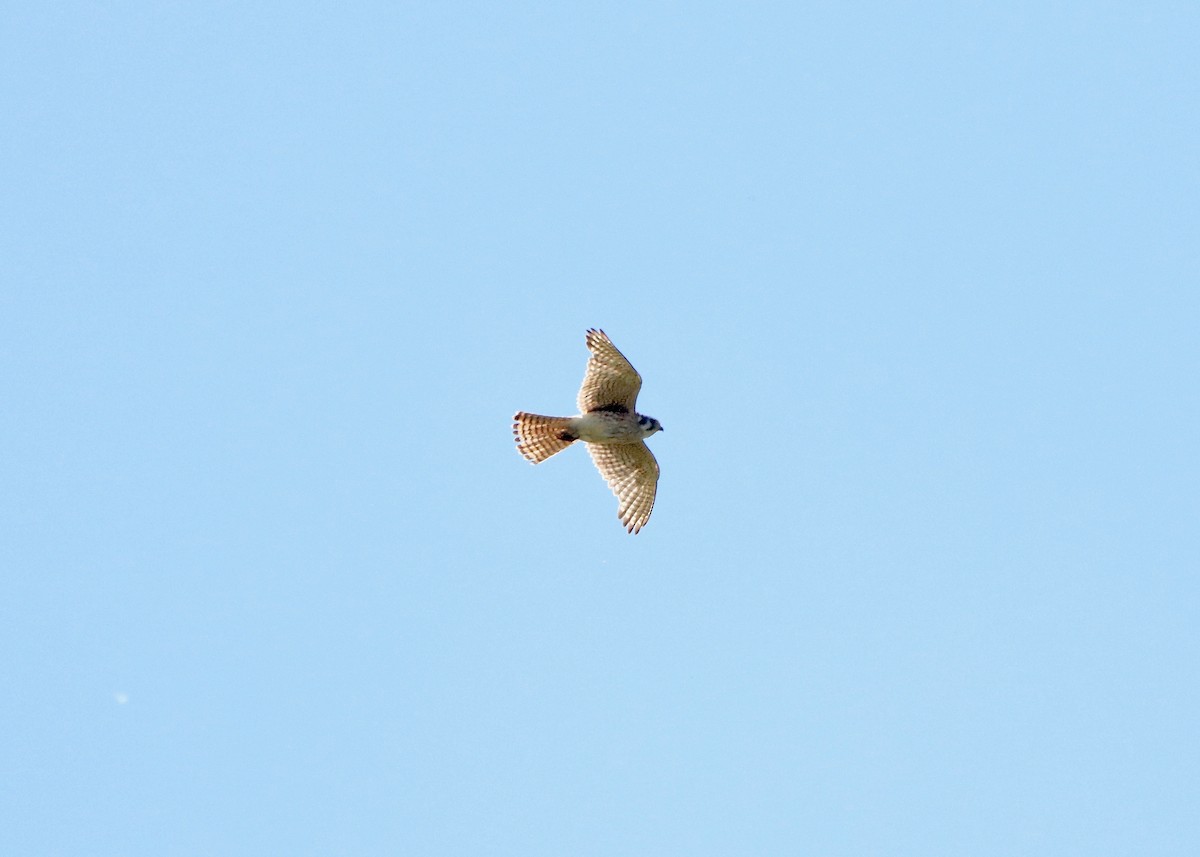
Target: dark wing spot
614, 408
567, 436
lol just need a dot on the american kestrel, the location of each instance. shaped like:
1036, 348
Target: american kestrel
613, 431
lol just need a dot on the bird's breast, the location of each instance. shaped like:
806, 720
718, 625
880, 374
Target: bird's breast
607, 427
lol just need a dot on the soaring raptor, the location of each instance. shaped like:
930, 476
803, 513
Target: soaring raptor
613, 431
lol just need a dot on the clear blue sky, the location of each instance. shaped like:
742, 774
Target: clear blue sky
914, 288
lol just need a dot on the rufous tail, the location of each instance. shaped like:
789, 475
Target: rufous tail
540, 437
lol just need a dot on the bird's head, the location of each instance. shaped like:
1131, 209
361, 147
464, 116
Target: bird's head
649, 425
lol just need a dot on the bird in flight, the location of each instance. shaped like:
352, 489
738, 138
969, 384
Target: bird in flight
613, 431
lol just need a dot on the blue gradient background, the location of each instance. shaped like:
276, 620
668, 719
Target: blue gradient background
913, 288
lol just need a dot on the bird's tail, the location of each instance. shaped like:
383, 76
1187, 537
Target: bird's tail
540, 437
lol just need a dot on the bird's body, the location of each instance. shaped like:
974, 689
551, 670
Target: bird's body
610, 426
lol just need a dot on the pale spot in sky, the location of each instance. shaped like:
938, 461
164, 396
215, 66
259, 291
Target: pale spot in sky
120, 697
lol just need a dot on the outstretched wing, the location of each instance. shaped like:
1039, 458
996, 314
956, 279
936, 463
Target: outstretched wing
610, 382
632, 473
